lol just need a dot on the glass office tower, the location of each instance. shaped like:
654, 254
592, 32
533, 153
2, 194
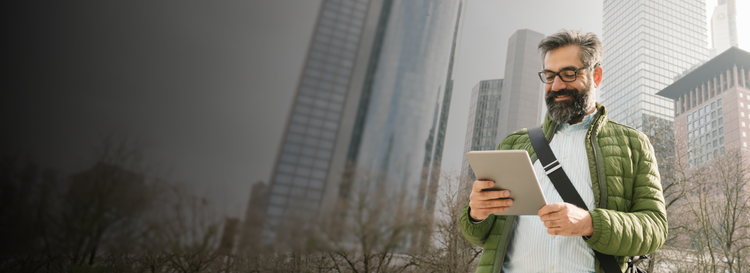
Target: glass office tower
647, 45
364, 109
481, 129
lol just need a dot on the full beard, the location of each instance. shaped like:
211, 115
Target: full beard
569, 110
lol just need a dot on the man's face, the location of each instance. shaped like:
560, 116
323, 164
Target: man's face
569, 101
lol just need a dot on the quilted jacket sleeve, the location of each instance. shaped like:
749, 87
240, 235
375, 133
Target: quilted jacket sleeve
477, 234
635, 221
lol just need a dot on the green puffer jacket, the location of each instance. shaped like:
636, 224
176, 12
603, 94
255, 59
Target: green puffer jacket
630, 218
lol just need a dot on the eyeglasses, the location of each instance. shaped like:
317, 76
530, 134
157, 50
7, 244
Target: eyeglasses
566, 75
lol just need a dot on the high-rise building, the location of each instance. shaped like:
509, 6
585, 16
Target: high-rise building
481, 129
500, 107
646, 45
724, 27
712, 107
363, 111
522, 95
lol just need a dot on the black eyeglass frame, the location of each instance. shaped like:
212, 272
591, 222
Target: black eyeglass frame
557, 74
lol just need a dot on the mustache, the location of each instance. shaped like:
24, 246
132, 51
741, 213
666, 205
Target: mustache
550, 96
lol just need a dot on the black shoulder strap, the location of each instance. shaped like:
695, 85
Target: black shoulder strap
564, 187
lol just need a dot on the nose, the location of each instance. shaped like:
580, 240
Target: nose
558, 84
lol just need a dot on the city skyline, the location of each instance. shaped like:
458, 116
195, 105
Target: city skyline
211, 88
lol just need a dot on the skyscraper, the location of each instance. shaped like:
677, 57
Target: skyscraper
724, 26
364, 110
647, 44
522, 95
500, 107
481, 129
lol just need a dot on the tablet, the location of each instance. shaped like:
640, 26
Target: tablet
511, 170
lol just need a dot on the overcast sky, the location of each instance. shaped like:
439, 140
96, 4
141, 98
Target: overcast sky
210, 85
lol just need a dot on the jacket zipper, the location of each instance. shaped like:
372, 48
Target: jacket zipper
596, 160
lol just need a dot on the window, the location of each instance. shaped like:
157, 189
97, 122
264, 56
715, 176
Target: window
743, 124
744, 143
744, 134
742, 104
742, 114
720, 111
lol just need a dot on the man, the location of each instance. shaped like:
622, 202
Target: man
612, 167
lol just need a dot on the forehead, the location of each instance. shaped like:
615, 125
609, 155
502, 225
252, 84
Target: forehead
564, 57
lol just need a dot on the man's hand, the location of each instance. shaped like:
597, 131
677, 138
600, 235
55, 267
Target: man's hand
483, 203
566, 219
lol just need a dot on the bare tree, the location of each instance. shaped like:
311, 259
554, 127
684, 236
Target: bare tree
372, 233
449, 251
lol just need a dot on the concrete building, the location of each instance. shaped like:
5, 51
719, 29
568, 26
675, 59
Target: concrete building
364, 111
502, 106
646, 45
724, 27
481, 129
522, 94
712, 107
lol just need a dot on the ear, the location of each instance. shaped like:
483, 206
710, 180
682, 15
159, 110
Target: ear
597, 76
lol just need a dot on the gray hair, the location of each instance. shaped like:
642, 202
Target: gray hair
591, 48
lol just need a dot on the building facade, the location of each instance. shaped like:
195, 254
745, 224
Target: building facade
522, 93
647, 44
712, 108
723, 27
364, 109
481, 129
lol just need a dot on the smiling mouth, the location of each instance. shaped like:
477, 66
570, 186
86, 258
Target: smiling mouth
563, 97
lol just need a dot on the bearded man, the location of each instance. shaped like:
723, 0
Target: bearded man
612, 166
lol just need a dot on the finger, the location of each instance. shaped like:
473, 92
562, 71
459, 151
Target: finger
549, 208
488, 211
489, 195
553, 231
494, 203
482, 184
549, 216
552, 224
